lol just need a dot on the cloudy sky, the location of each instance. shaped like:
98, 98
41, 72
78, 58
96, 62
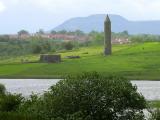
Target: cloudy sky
46, 14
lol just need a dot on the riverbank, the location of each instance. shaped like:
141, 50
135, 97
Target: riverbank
32, 77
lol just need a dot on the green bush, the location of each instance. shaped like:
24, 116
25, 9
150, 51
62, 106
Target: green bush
88, 96
155, 115
10, 102
15, 116
68, 45
37, 49
94, 97
2, 89
33, 106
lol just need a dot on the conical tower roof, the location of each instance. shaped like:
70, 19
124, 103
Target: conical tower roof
107, 19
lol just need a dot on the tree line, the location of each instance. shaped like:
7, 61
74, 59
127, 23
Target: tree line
39, 45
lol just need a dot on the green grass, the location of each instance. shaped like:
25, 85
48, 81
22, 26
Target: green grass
154, 104
135, 61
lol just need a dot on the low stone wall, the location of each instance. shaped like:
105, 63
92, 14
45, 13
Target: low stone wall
50, 58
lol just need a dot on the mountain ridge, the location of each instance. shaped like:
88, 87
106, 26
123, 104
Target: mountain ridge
119, 24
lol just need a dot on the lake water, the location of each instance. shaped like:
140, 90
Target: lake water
27, 86
150, 89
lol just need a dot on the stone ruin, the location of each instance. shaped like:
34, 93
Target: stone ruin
50, 58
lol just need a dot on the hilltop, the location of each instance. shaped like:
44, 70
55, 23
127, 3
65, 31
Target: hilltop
119, 24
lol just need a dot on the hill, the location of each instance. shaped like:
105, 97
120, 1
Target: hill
119, 24
135, 61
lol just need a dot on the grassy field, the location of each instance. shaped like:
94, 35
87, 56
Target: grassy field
154, 104
135, 61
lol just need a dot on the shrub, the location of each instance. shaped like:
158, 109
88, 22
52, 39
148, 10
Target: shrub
37, 49
68, 45
33, 106
94, 97
10, 102
15, 116
155, 115
2, 89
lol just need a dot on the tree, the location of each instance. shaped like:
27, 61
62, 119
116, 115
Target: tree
155, 114
68, 45
62, 32
125, 33
97, 38
41, 32
53, 32
2, 89
92, 33
46, 46
23, 32
79, 33
10, 102
90, 96
37, 49
4, 38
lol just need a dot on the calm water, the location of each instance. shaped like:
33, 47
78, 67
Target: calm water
150, 89
27, 86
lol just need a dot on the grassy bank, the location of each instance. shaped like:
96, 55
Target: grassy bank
154, 104
136, 61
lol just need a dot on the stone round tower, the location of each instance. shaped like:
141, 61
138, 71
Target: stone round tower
107, 37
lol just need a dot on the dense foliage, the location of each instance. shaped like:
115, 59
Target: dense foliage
89, 96
96, 97
34, 45
144, 38
155, 114
68, 45
2, 89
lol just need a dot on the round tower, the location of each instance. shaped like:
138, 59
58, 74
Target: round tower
107, 37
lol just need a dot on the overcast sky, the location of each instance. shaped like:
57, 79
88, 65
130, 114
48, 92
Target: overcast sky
46, 14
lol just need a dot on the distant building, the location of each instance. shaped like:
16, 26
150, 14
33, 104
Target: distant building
64, 37
120, 40
67, 37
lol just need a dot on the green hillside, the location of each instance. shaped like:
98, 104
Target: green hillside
135, 61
